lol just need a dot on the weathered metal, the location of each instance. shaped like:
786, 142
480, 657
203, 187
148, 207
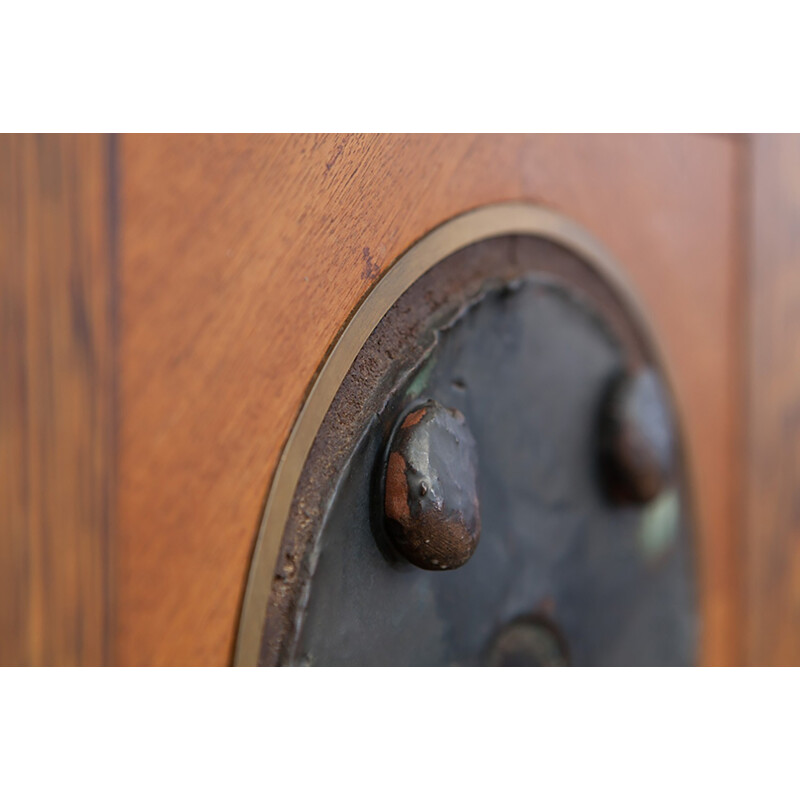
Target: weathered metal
527, 363
430, 492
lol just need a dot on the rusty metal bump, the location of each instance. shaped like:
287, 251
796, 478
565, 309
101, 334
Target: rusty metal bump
529, 642
430, 494
636, 438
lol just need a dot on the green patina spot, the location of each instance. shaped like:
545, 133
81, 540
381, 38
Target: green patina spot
659, 527
420, 381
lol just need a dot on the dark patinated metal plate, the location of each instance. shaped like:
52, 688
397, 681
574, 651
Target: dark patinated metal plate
523, 338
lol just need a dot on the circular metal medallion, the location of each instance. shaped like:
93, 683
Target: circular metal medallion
498, 389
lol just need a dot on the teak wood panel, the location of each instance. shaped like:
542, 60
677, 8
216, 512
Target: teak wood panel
773, 404
56, 399
242, 256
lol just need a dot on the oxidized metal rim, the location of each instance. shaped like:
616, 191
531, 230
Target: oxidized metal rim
469, 228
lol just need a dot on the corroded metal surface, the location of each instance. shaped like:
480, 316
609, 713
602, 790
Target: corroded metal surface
523, 337
527, 364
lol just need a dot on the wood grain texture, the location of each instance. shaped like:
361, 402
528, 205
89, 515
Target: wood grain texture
242, 257
773, 408
56, 400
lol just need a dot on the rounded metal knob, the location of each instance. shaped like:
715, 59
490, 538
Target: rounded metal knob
430, 495
636, 438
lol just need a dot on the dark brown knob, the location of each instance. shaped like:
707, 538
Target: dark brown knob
533, 642
636, 438
431, 498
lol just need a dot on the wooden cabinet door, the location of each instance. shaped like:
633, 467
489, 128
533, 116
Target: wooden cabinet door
169, 298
